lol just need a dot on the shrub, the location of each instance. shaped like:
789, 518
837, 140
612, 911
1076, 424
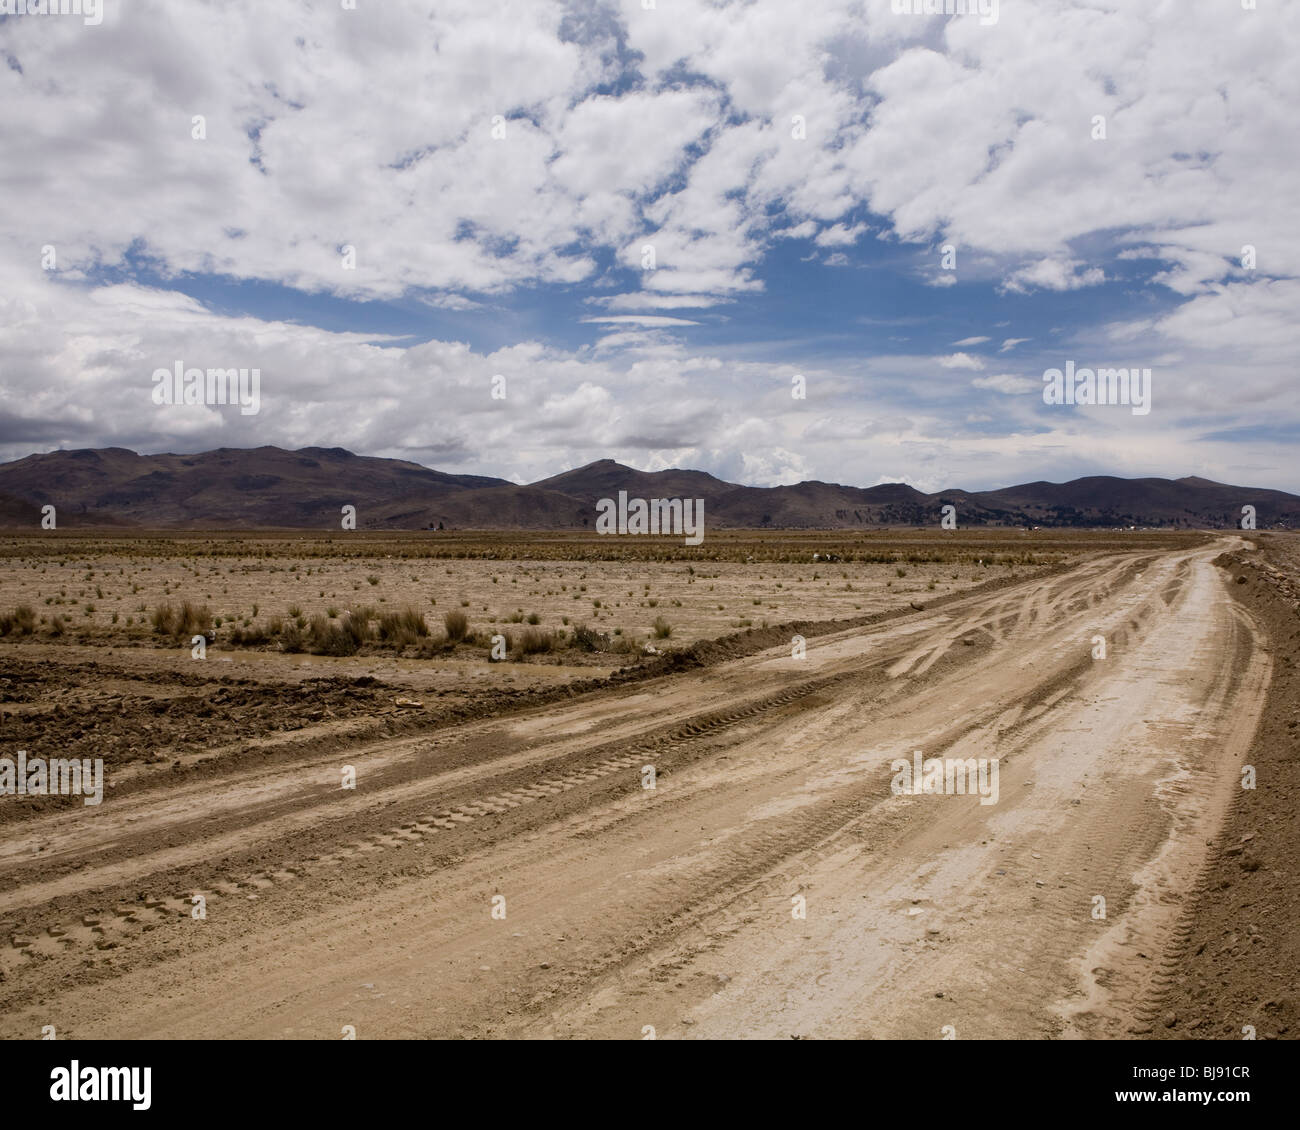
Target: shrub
327, 638
534, 640
662, 629
403, 628
195, 619
164, 620
249, 636
456, 624
588, 639
188, 620
408, 620
21, 620
357, 623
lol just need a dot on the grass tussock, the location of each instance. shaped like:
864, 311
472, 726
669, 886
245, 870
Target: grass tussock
188, 619
326, 637
404, 628
21, 621
251, 636
534, 641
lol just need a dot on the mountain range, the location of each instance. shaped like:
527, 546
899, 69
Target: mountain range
272, 487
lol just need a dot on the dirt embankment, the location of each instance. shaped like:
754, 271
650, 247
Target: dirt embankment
1241, 966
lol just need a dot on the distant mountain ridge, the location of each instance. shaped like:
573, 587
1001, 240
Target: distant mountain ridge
307, 489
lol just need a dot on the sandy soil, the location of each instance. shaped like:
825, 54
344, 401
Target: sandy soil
509, 875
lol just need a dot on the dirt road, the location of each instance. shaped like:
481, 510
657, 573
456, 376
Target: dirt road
513, 877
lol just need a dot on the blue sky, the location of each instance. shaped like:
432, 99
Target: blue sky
499, 168
873, 301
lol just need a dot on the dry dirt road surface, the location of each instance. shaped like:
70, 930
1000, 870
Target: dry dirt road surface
513, 878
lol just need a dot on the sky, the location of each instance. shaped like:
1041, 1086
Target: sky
511, 237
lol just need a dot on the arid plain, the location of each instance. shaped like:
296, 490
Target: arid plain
401, 783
